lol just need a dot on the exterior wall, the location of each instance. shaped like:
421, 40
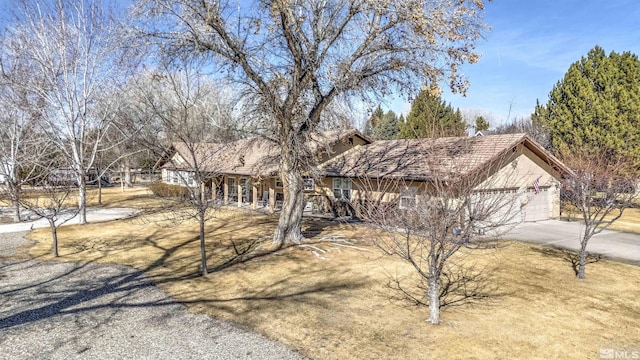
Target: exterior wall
341, 147
370, 189
164, 176
555, 201
521, 171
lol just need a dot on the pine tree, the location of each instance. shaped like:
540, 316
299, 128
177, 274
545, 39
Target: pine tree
374, 120
482, 124
387, 128
430, 116
596, 106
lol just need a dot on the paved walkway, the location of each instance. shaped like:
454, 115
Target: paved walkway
93, 215
612, 244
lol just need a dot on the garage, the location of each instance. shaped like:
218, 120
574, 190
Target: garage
538, 205
516, 206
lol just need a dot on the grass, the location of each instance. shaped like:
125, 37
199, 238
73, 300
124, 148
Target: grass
628, 222
334, 303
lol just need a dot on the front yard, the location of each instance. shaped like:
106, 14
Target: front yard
331, 301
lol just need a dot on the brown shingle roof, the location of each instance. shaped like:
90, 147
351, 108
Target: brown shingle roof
424, 159
252, 156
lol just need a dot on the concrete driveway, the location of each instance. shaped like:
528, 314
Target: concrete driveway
611, 244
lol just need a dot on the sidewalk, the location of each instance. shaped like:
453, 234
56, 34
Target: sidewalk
93, 215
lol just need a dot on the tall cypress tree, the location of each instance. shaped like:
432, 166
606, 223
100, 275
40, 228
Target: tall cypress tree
596, 106
430, 116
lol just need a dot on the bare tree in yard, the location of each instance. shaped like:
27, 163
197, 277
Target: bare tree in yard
50, 200
75, 56
427, 220
21, 143
296, 57
602, 187
194, 116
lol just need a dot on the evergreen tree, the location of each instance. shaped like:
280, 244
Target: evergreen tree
387, 128
596, 106
374, 120
430, 116
481, 124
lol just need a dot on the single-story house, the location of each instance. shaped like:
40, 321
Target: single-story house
496, 164
245, 171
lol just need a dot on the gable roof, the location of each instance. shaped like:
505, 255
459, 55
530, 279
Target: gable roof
425, 159
255, 156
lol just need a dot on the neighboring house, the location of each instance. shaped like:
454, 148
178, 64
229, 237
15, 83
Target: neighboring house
245, 171
66, 176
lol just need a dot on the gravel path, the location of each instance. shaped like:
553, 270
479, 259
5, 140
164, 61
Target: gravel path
54, 310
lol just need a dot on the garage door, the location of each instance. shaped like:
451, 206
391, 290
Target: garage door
538, 205
517, 206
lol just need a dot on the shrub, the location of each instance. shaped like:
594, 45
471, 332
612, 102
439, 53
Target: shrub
169, 191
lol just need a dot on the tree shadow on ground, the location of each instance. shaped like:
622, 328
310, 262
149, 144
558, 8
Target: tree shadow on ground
572, 257
59, 293
459, 285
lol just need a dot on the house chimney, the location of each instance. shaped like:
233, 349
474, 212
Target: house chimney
471, 130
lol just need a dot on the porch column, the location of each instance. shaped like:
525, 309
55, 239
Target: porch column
239, 182
272, 197
254, 203
203, 195
225, 189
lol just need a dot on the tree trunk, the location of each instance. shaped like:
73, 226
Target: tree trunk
434, 299
82, 200
127, 173
16, 206
99, 188
580, 274
54, 237
203, 251
290, 222
121, 178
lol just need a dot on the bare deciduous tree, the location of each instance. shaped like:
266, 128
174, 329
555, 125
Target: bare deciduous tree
21, 143
292, 59
75, 55
602, 187
193, 116
426, 222
50, 200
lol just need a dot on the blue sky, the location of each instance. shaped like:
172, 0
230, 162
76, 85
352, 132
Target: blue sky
528, 49
531, 46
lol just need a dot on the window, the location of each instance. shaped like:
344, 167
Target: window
189, 178
169, 176
408, 197
279, 183
232, 190
342, 188
309, 183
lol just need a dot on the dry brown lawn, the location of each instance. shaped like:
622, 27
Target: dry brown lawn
335, 305
629, 222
